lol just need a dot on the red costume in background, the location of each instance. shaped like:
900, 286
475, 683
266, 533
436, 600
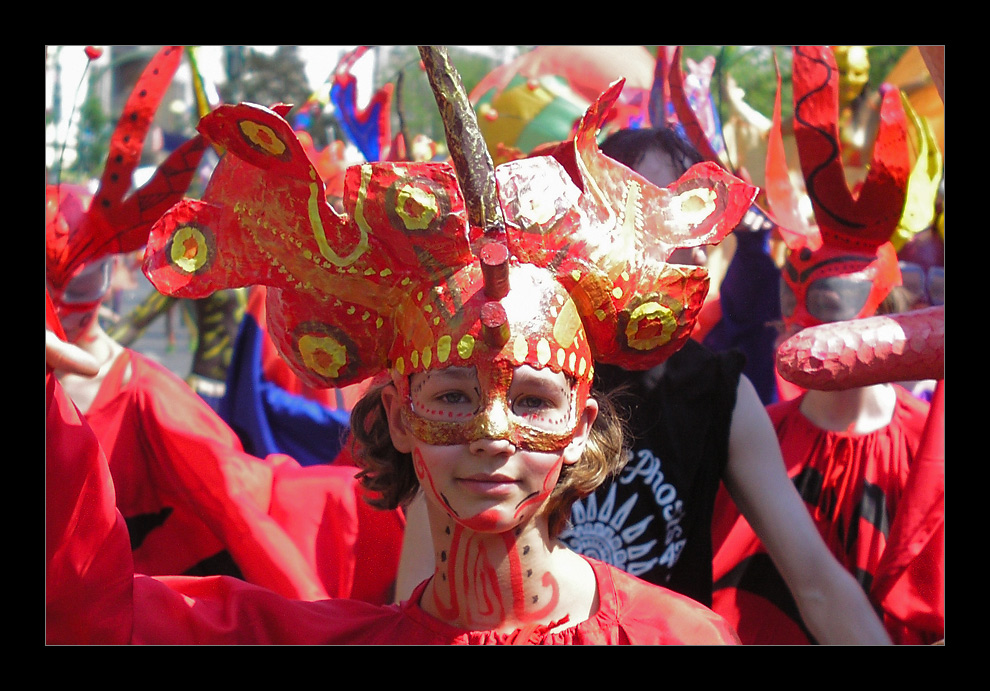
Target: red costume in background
195, 503
877, 498
852, 484
193, 500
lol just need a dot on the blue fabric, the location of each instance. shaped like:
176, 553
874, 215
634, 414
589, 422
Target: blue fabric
269, 419
750, 301
363, 129
211, 401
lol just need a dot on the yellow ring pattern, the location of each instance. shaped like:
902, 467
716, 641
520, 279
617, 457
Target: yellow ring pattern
323, 354
649, 316
189, 250
262, 136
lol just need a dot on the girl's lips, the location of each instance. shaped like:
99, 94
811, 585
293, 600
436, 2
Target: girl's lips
488, 484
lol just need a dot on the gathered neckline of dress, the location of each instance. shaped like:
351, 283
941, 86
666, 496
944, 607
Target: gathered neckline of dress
531, 634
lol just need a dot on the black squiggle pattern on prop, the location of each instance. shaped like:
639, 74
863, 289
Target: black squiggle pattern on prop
810, 179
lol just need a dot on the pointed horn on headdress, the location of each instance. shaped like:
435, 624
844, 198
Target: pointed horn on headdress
476, 175
869, 216
368, 128
468, 151
685, 113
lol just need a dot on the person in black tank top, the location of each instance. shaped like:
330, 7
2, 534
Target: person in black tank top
695, 421
654, 518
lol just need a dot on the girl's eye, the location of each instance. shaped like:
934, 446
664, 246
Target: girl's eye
530, 403
454, 397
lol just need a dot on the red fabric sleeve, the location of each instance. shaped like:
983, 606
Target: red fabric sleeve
303, 532
200, 461
354, 547
910, 580
89, 569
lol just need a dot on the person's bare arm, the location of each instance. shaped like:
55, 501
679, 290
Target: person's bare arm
63, 356
831, 602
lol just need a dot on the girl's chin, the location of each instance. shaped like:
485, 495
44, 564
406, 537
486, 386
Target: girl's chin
491, 521
494, 520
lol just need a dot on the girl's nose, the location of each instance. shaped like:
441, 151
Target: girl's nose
494, 422
492, 447
493, 432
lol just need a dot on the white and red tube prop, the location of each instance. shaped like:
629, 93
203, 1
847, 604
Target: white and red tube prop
846, 355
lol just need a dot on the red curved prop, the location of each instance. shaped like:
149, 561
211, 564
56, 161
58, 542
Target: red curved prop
861, 352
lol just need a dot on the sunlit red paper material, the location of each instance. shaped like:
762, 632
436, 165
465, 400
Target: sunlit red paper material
396, 282
855, 227
861, 352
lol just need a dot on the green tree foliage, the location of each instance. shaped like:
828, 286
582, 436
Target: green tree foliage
883, 59
752, 68
95, 130
280, 77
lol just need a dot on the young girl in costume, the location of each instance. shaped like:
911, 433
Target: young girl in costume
484, 316
693, 422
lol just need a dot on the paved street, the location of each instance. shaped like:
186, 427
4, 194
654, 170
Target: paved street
154, 341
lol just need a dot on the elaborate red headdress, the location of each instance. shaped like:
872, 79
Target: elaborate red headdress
854, 229
418, 275
77, 232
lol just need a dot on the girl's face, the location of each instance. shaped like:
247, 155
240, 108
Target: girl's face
489, 476
658, 167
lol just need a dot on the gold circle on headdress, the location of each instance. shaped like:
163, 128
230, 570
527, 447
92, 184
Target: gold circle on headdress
262, 137
650, 326
189, 249
417, 204
323, 354
416, 207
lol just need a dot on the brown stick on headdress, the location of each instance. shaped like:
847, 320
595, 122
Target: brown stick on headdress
468, 151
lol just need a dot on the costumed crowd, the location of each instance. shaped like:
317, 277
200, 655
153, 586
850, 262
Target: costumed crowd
598, 369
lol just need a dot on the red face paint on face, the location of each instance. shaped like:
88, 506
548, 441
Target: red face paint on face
486, 489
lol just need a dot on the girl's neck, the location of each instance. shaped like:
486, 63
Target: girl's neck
506, 581
853, 411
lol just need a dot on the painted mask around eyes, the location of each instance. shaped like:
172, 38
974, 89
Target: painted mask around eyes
836, 284
844, 267
531, 419
90, 284
534, 325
